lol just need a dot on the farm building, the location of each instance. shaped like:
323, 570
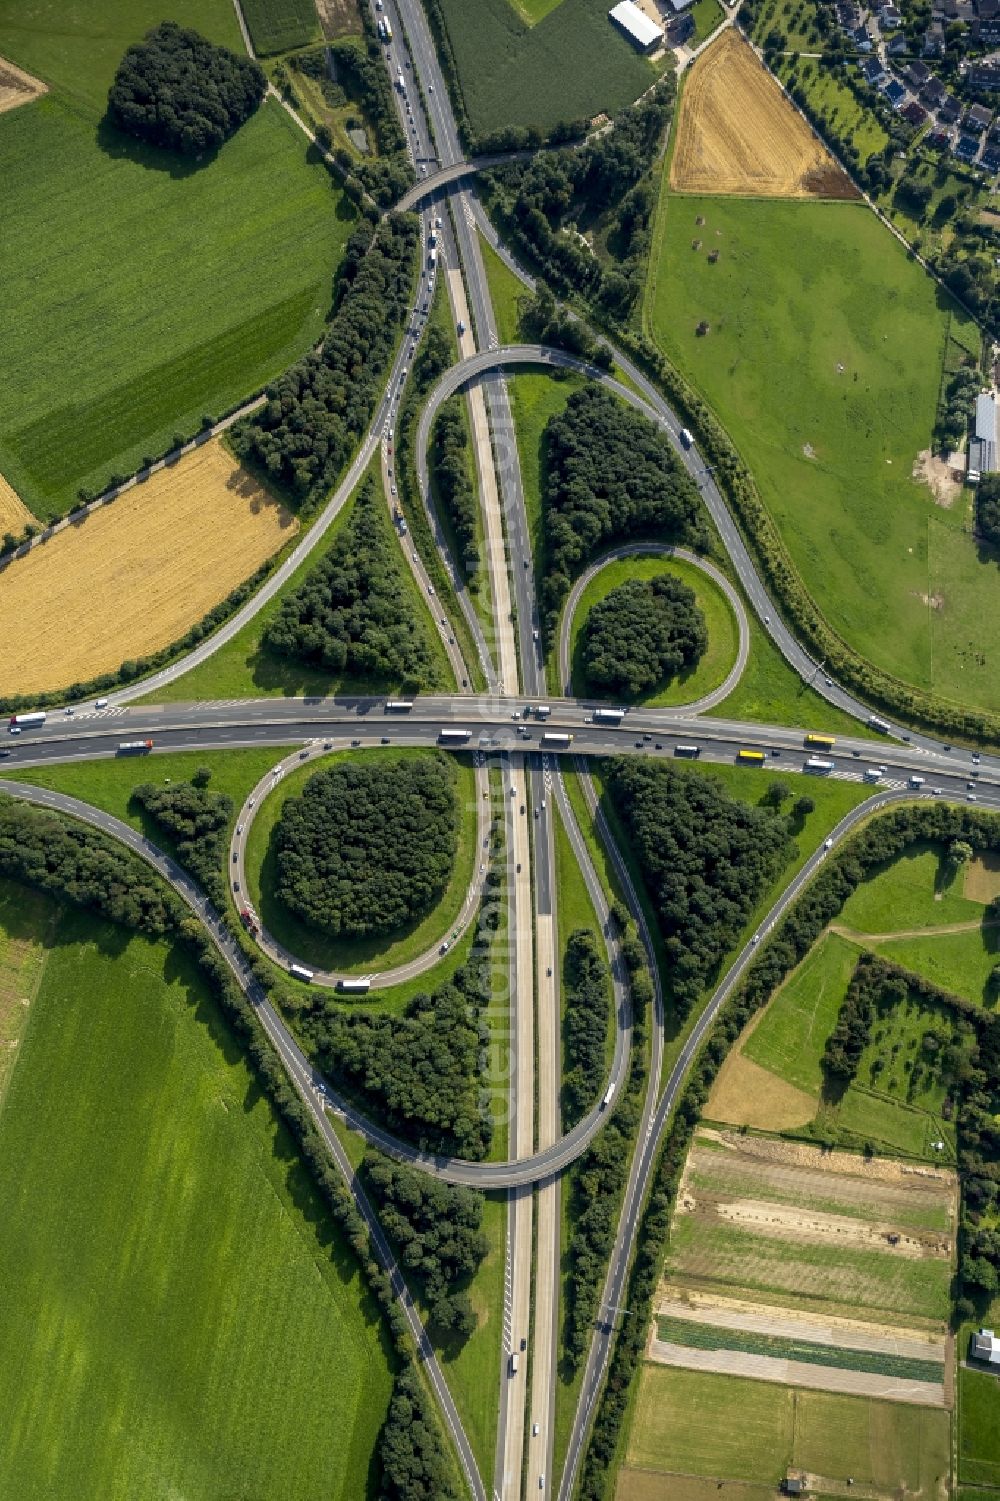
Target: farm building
983, 448
986, 1347
640, 30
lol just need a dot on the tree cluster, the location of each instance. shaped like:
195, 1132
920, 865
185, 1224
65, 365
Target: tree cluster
436, 1229
957, 400
706, 859
610, 475
597, 1179
353, 614
414, 1457
177, 90
988, 508
418, 1073
545, 199
588, 986
196, 820
315, 413
449, 460
642, 634
369, 845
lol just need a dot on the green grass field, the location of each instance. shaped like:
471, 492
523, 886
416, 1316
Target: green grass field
108, 783
708, 14
506, 290
571, 64
181, 1317
791, 1035
386, 951
280, 25
723, 638
143, 291
909, 893
959, 962
246, 668
979, 1428
726, 1426
853, 338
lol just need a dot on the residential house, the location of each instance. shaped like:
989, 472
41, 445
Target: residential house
862, 40
948, 110
914, 115
932, 93
889, 18
895, 93
977, 119
985, 1347
916, 75
984, 77
966, 148
933, 42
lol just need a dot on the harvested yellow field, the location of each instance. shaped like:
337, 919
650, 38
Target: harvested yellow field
137, 574
14, 514
744, 1094
17, 87
737, 133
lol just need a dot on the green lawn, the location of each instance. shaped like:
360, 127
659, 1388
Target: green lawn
852, 336
246, 668
571, 64
534, 398
892, 1125
180, 1315
708, 14
534, 10
108, 783
771, 693
279, 25
142, 291
979, 1428
723, 638
791, 1035
959, 962
911, 892
323, 951
506, 290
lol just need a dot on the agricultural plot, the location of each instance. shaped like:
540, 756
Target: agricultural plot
876, 1250
571, 64
14, 514
853, 336
216, 1346
135, 575
27, 928
690, 1424
979, 1428
280, 25
737, 133
189, 285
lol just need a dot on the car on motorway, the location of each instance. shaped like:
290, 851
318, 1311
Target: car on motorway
970, 797
6, 751
976, 758
15, 729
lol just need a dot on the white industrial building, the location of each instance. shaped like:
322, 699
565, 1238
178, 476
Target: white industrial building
983, 452
985, 1346
640, 30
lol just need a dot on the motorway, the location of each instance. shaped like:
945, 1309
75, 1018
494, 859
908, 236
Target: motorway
514, 673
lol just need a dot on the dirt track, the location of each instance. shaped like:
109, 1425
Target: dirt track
737, 133
17, 87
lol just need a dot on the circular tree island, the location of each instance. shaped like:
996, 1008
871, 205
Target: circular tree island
369, 845
641, 635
